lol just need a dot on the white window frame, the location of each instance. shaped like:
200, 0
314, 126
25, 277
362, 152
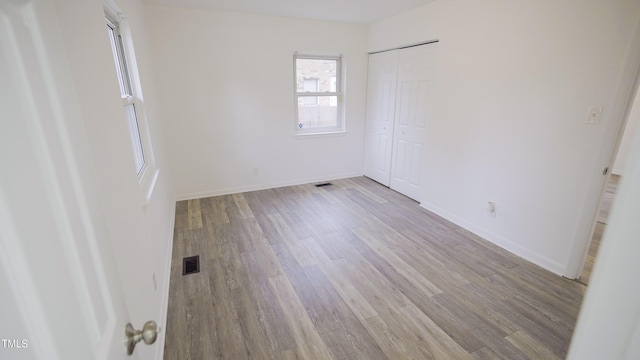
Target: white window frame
338, 93
131, 93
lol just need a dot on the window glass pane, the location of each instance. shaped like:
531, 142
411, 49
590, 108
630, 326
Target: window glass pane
320, 70
309, 100
333, 101
126, 79
136, 140
310, 85
323, 113
116, 58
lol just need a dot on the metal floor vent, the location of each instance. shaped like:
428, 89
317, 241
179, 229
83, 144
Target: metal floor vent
191, 265
324, 184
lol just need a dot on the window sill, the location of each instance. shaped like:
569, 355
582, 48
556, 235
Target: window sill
320, 134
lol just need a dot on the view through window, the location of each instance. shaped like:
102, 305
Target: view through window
318, 97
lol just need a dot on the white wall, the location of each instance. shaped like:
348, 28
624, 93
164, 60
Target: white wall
141, 236
225, 81
516, 80
632, 126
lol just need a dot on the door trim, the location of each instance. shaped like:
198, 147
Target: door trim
626, 90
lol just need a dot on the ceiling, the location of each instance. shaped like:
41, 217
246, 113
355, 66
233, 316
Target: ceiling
356, 11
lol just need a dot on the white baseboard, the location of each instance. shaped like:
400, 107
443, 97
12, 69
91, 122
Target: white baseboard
164, 291
504, 243
277, 184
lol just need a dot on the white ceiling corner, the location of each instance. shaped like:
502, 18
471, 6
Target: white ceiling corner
355, 11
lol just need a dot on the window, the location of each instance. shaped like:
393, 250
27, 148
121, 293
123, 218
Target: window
318, 96
124, 78
130, 91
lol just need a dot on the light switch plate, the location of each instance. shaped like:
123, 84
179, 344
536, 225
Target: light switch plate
594, 115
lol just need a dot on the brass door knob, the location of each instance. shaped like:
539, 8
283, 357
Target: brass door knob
149, 333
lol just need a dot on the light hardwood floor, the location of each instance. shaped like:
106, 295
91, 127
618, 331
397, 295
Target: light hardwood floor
601, 224
354, 271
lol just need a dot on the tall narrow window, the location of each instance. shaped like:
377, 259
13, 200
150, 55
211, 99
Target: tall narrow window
318, 96
126, 71
127, 93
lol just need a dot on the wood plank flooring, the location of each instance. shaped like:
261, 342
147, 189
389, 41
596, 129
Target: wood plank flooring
601, 224
354, 271
608, 198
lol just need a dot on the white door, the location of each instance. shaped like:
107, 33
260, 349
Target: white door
381, 99
413, 108
61, 296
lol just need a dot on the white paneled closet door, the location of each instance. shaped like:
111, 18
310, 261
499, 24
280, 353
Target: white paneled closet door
381, 99
399, 102
413, 109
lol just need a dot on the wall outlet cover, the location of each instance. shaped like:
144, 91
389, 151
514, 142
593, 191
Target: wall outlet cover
594, 115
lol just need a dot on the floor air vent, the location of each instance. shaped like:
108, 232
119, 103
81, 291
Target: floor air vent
324, 184
191, 265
